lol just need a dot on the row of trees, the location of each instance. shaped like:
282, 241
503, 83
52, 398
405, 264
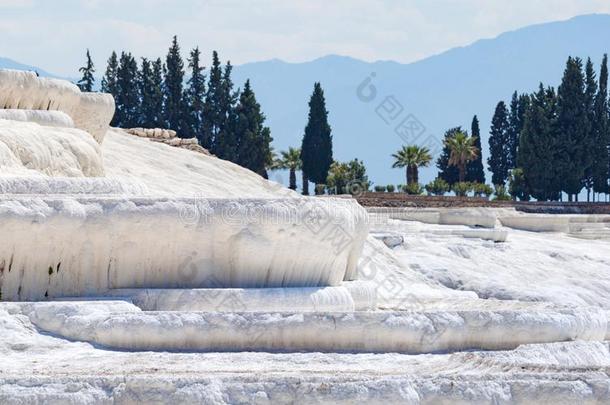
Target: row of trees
227, 122
552, 142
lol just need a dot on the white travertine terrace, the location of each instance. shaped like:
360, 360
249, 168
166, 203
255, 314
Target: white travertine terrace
79, 222
91, 112
45, 118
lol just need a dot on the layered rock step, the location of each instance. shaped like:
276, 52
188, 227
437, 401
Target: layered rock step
119, 325
62, 246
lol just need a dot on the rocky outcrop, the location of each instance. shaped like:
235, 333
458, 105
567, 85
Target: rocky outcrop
90, 112
168, 137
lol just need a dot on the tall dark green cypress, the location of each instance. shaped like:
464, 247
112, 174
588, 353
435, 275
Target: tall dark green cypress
518, 107
148, 113
174, 76
317, 147
87, 81
474, 169
499, 146
109, 81
128, 97
195, 96
572, 129
227, 143
157, 94
447, 172
254, 138
601, 162
211, 107
538, 147
589, 143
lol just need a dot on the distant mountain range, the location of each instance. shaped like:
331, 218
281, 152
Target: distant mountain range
6, 63
376, 107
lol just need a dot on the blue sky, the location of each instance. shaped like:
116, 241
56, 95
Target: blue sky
54, 34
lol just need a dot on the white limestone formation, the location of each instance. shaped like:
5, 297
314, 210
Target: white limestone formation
90, 112
29, 149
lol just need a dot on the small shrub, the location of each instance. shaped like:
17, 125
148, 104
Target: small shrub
437, 186
320, 189
501, 194
413, 189
379, 189
462, 189
482, 190
517, 185
390, 188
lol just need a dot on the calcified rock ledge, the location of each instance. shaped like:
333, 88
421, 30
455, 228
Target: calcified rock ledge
86, 246
90, 112
161, 275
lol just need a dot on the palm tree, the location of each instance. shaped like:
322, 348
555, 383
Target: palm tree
291, 160
412, 157
463, 150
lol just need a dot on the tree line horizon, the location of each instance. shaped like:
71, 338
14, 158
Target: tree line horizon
543, 145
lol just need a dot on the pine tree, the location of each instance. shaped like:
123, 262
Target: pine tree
127, 98
317, 149
87, 81
518, 107
174, 76
195, 96
448, 172
227, 144
148, 92
254, 138
589, 143
572, 128
499, 146
157, 94
538, 147
109, 81
601, 162
212, 122
474, 170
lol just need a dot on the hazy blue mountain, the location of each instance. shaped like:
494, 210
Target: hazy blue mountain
6, 63
441, 91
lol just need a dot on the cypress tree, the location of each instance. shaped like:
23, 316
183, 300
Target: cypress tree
474, 169
227, 142
109, 81
538, 147
589, 143
572, 128
212, 122
317, 148
87, 81
448, 172
499, 146
195, 96
601, 162
148, 113
254, 138
157, 93
518, 107
174, 76
128, 98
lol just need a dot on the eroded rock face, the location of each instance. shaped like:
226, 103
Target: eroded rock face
29, 149
168, 137
91, 112
61, 247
